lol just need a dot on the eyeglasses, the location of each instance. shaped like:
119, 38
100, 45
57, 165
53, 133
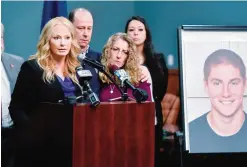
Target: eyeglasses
117, 50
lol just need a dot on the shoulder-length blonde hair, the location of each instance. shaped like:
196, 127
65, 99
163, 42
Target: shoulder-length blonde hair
131, 65
44, 55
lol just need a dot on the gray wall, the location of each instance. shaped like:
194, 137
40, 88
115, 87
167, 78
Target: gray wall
22, 21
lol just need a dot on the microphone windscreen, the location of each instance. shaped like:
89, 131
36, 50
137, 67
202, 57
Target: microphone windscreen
113, 68
81, 57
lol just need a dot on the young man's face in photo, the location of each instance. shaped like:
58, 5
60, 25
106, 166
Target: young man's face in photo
225, 87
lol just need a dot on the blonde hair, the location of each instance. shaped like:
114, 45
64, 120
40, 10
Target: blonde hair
131, 65
44, 56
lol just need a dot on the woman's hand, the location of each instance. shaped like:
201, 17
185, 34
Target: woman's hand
145, 74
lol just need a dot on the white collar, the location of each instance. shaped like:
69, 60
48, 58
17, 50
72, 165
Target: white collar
86, 51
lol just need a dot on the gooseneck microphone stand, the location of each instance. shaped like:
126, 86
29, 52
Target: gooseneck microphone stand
93, 63
124, 96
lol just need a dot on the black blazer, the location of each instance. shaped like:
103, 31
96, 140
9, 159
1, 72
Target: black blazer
160, 82
30, 90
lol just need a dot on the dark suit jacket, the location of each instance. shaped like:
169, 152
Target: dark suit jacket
12, 65
30, 90
159, 73
160, 81
95, 81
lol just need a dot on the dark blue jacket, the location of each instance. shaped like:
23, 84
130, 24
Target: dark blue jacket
95, 81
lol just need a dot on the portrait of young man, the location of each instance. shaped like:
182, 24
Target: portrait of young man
224, 127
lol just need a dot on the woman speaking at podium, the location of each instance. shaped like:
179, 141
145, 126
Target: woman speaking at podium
49, 76
120, 52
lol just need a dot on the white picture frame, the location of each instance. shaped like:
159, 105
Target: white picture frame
196, 43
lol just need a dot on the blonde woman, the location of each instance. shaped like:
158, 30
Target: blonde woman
121, 52
49, 76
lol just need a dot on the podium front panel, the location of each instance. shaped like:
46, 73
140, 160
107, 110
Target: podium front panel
116, 134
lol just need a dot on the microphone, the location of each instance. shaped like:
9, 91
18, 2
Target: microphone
90, 62
84, 76
101, 68
121, 75
139, 94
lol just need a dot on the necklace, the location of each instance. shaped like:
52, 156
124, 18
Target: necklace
112, 89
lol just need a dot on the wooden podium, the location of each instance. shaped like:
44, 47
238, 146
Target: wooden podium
115, 134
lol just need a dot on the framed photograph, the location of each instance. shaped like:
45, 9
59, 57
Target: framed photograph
213, 84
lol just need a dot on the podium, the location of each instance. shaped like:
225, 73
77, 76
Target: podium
114, 134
